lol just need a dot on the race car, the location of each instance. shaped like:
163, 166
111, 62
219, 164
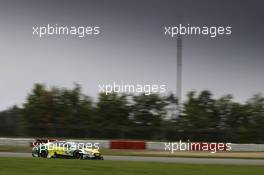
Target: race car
64, 149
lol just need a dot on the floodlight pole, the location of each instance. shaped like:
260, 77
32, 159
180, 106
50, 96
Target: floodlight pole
179, 71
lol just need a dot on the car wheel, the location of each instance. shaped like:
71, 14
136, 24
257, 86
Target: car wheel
44, 153
77, 155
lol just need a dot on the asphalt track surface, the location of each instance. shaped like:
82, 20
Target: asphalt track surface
222, 161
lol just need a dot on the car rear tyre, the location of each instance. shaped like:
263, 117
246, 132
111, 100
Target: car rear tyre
77, 155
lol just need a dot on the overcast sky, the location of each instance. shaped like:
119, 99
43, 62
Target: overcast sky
132, 47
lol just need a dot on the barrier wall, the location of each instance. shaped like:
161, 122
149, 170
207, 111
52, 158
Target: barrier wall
125, 144
16, 141
128, 144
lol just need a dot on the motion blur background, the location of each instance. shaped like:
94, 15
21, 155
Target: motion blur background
53, 81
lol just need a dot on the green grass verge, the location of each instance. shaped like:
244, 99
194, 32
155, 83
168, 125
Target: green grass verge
38, 166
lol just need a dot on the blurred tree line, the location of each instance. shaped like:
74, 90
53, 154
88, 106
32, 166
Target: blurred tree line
60, 112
